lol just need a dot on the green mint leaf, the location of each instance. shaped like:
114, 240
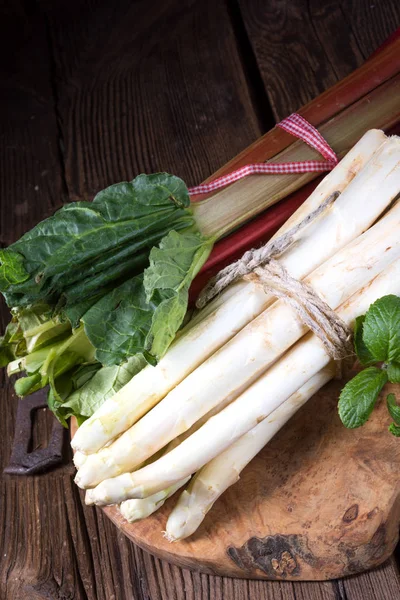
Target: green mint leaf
393, 408
358, 397
393, 371
394, 430
173, 266
364, 355
382, 329
12, 270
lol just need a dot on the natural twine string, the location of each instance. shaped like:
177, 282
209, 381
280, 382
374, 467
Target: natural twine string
259, 264
258, 256
312, 310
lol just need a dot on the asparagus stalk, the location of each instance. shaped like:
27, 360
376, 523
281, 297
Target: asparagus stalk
236, 307
220, 473
244, 358
79, 458
224, 470
140, 508
301, 363
135, 510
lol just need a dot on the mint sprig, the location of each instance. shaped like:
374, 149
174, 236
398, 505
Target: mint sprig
393, 370
381, 331
364, 355
359, 396
376, 342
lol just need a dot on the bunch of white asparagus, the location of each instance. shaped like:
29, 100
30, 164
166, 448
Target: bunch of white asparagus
245, 364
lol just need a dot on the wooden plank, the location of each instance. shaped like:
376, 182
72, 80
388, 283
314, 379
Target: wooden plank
31, 187
302, 48
145, 88
380, 584
371, 22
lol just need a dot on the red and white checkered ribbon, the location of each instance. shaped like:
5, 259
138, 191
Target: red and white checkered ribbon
300, 128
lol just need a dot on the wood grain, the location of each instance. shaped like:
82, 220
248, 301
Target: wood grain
93, 92
370, 22
302, 47
145, 90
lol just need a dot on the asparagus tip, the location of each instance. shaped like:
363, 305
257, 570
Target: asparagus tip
89, 498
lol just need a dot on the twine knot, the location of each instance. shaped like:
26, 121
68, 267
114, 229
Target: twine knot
314, 312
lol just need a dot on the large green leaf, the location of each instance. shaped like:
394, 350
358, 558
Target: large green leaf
12, 270
359, 396
82, 400
143, 315
65, 245
118, 324
393, 408
382, 329
173, 266
364, 355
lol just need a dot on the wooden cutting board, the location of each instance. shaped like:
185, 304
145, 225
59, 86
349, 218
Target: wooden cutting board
319, 502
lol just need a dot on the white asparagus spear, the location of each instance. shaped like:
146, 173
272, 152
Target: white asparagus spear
237, 306
143, 505
287, 375
233, 368
224, 470
140, 508
79, 458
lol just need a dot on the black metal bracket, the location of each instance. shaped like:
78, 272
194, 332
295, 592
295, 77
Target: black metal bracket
23, 462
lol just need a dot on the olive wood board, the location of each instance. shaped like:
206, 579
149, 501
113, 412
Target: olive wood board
319, 502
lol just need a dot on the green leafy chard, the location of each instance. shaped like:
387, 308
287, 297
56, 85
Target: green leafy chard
82, 394
80, 297
117, 325
376, 340
12, 269
142, 315
61, 249
173, 266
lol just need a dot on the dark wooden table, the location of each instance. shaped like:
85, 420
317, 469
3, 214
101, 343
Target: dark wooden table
93, 92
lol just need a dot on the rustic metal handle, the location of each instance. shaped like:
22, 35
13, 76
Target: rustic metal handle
23, 462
